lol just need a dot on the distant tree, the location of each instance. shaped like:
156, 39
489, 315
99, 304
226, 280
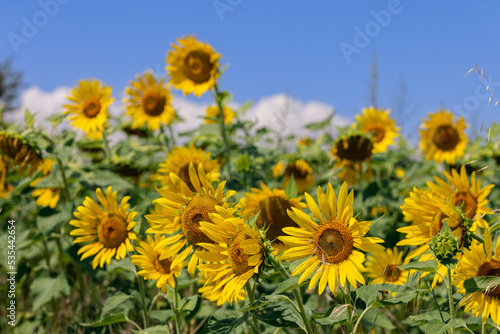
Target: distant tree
10, 83
373, 82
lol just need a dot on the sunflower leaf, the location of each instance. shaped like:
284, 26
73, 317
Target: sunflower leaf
154, 330
381, 294
113, 302
429, 266
481, 283
225, 321
279, 315
320, 124
291, 188
108, 320
289, 285
438, 327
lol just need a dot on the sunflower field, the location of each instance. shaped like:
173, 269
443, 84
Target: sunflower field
123, 225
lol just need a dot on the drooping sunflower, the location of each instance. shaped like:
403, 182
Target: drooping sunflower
89, 110
476, 262
148, 101
46, 196
178, 161
332, 243
382, 267
18, 151
382, 128
234, 258
108, 230
183, 210
192, 66
5, 188
441, 139
350, 152
300, 170
162, 271
213, 112
273, 206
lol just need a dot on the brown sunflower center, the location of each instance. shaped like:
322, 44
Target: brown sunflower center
468, 203
273, 215
238, 259
197, 66
354, 148
196, 211
153, 103
445, 137
378, 133
91, 108
490, 268
184, 176
391, 273
112, 231
333, 242
162, 266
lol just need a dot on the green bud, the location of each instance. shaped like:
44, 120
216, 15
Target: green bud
244, 164
445, 245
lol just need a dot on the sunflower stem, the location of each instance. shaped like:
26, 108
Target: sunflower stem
450, 298
477, 237
176, 308
162, 139
251, 297
145, 315
172, 136
218, 99
483, 327
349, 310
65, 181
359, 319
107, 149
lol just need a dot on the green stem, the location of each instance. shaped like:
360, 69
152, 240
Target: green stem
107, 149
450, 298
162, 139
172, 136
349, 309
65, 181
251, 297
222, 125
483, 328
145, 315
359, 318
176, 309
477, 237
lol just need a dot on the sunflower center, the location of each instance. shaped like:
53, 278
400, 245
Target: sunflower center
153, 103
445, 137
333, 242
391, 273
273, 215
378, 134
197, 66
238, 259
162, 266
184, 176
112, 231
468, 203
490, 268
196, 211
91, 108
298, 173
354, 148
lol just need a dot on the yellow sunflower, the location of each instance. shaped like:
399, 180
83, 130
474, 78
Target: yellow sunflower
464, 194
107, 229
214, 295
441, 139
278, 169
273, 206
382, 267
213, 112
234, 258
46, 196
305, 141
162, 271
349, 152
18, 151
5, 188
89, 110
183, 210
178, 161
148, 101
330, 244
193, 66
382, 128
300, 170
476, 262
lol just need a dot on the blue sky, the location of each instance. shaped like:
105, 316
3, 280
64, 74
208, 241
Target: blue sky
273, 47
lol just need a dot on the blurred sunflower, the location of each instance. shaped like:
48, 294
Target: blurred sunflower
382, 128
300, 170
330, 243
89, 111
5, 188
213, 112
305, 141
441, 139
234, 258
178, 161
148, 101
382, 267
18, 151
193, 66
183, 210
108, 229
162, 271
350, 151
273, 206
214, 295
46, 196
476, 262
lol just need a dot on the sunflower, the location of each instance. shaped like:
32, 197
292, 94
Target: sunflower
46, 196
214, 295
441, 139
476, 262
148, 101
19, 151
382, 128
464, 194
89, 112
382, 267
330, 244
350, 151
213, 112
5, 188
273, 206
305, 141
278, 169
178, 161
300, 170
163, 271
193, 66
183, 210
234, 258
107, 229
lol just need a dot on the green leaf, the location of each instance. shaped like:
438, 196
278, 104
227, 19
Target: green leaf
162, 315
291, 188
225, 321
337, 315
29, 118
372, 294
190, 303
279, 315
209, 130
55, 119
429, 266
108, 320
49, 181
321, 124
154, 330
288, 285
45, 288
481, 283
104, 178
262, 301
125, 264
114, 301
428, 316
438, 327
48, 219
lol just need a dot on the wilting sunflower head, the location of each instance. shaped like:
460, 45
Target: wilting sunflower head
46, 196
19, 151
382, 267
273, 206
353, 148
331, 242
441, 139
192, 66
148, 101
106, 228
377, 123
89, 108
213, 112
302, 173
178, 161
5, 188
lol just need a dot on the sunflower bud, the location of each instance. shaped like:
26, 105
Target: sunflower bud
445, 245
244, 164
